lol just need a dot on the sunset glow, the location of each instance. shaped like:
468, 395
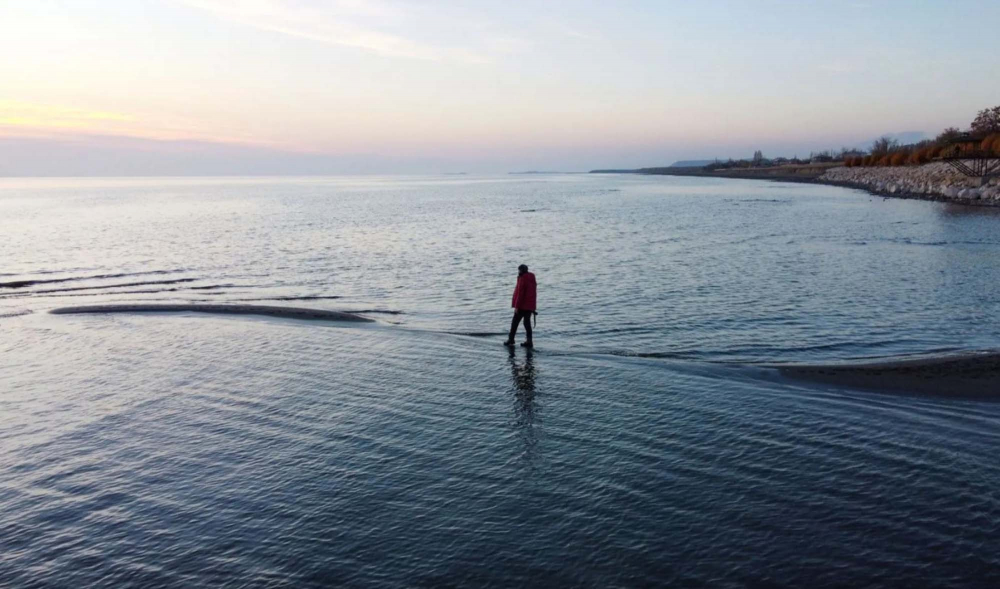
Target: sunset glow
452, 85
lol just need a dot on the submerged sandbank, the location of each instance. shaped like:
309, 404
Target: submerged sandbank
266, 310
965, 375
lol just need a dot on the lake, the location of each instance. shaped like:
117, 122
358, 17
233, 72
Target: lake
642, 442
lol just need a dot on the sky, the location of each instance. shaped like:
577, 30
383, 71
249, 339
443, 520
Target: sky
202, 87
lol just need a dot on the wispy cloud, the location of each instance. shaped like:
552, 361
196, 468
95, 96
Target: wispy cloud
348, 23
70, 123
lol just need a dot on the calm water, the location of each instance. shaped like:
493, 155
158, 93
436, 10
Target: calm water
638, 444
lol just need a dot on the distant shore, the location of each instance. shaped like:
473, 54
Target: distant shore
792, 173
934, 181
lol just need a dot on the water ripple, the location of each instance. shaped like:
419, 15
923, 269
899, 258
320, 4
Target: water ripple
637, 445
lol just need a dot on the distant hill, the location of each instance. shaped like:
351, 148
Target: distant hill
691, 163
904, 138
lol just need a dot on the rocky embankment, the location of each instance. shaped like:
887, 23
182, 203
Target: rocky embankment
936, 181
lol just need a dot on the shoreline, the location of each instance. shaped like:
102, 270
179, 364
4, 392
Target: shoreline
907, 195
817, 175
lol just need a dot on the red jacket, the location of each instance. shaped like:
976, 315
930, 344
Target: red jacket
524, 293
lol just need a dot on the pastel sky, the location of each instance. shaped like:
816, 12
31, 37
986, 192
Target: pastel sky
384, 86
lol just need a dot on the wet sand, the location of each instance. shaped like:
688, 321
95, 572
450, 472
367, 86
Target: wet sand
265, 310
967, 375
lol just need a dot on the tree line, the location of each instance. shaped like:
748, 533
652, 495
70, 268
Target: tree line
982, 138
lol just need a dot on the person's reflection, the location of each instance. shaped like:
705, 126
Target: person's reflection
525, 413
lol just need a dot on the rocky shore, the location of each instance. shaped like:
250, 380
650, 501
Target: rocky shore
935, 181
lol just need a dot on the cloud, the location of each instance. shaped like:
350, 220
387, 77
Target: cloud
27, 120
347, 23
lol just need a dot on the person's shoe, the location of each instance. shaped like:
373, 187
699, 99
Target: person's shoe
527, 345
509, 343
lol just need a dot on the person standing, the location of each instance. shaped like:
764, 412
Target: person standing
524, 303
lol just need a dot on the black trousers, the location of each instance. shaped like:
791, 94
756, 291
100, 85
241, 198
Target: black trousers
518, 316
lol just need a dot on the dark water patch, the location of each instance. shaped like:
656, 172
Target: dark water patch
923, 243
837, 346
220, 309
656, 355
298, 298
621, 330
98, 294
379, 312
130, 292
476, 333
277, 298
33, 282
10, 313
107, 286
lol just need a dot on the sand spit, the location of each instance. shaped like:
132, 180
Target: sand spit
966, 375
266, 310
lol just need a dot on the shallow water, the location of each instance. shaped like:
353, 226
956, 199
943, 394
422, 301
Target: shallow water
637, 444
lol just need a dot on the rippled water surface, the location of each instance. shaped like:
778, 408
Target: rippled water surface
640, 443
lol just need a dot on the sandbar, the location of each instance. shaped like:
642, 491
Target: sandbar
963, 375
266, 310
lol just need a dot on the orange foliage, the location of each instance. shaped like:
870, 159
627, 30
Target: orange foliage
987, 143
996, 146
933, 152
883, 161
919, 156
898, 158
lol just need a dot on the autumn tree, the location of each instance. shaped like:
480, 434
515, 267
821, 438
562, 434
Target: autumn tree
884, 145
987, 121
948, 136
987, 144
